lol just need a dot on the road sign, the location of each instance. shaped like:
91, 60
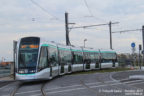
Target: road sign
133, 44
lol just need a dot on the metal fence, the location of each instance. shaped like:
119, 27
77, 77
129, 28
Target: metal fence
5, 70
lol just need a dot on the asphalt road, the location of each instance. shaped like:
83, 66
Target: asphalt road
97, 84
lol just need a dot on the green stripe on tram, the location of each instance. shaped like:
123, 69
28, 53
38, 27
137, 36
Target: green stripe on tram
108, 52
49, 45
77, 50
64, 49
91, 51
27, 74
44, 44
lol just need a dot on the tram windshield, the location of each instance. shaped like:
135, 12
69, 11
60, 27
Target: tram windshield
28, 57
28, 53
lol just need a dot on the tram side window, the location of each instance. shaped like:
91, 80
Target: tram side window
87, 57
78, 58
113, 55
53, 56
43, 62
62, 61
65, 57
97, 57
106, 57
92, 57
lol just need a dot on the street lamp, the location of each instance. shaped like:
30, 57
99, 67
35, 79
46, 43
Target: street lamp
84, 42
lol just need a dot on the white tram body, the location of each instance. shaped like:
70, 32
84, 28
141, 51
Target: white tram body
37, 58
108, 59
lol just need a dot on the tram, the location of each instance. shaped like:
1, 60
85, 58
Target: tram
37, 58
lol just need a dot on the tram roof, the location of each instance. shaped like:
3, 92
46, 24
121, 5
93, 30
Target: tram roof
90, 50
45, 42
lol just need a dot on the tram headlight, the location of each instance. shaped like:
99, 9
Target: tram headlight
33, 71
21, 71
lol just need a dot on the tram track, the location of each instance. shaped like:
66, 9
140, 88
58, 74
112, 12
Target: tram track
112, 84
5, 83
20, 85
42, 88
44, 92
16, 88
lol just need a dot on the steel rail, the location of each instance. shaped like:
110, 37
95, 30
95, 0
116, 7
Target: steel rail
15, 90
42, 88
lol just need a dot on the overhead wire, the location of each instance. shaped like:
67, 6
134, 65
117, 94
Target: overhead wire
88, 8
90, 12
44, 10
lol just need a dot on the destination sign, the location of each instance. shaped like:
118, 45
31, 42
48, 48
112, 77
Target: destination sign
29, 46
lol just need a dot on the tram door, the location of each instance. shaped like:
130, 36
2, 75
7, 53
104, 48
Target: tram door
53, 60
50, 70
62, 68
69, 68
113, 61
62, 61
97, 64
87, 61
65, 60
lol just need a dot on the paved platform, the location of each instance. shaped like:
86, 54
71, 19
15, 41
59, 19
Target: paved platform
6, 78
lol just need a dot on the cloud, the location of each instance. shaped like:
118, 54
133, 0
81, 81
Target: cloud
16, 21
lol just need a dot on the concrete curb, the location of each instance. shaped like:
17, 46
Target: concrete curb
136, 77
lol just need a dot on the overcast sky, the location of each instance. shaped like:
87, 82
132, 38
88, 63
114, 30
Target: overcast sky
45, 18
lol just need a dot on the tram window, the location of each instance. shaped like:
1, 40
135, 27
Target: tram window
53, 56
87, 57
65, 57
62, 61
92, 57
43, 62
109, 55
97, 55
27, 57
77, 57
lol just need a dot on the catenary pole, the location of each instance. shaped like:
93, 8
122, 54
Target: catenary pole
143, 42
66, 27
110, 35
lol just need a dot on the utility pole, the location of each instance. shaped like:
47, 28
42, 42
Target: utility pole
110, 35
140, 56
142, 30
143, 42
67, 29
84, 42
109, 24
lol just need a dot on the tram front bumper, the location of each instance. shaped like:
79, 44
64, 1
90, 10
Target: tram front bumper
25, 76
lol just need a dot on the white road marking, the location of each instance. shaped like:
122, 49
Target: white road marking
5, 95
29, 91
62, 87
136, 83
4, 87
66, 90
80, 87
91, 87
36, 95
